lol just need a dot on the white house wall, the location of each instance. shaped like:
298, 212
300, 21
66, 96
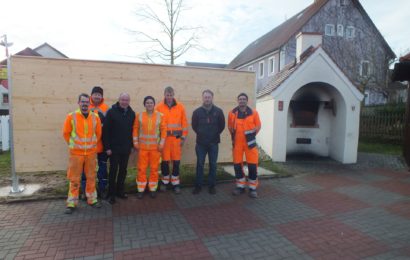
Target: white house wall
265, 135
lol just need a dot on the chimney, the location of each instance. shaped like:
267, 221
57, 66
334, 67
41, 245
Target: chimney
304, 40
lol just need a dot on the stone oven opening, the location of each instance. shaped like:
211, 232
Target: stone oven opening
305, 110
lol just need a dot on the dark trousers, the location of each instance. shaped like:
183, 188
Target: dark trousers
101, 173
118, 172
201, 152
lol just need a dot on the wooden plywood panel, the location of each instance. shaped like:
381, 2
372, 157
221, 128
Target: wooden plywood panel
45, 90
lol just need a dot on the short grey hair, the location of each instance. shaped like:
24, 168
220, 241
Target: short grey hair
208, 91
169, 89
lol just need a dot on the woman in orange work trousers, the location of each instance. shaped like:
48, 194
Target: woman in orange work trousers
149, 134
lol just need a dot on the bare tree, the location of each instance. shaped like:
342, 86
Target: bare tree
171, 40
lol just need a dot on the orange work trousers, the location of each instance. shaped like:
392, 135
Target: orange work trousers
76, 165
172, 149
240, 148
152, 159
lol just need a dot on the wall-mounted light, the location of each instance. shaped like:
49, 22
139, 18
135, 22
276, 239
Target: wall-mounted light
353, 108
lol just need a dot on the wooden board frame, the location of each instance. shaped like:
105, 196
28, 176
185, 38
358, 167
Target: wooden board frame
45, 90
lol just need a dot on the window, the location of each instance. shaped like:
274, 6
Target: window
250, 68
340, 31
343, 2
5, 98
350, 32
271, 67
261, 69
282, 58
329, 30
365, 69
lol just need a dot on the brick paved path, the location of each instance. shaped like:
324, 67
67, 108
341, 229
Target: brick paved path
354, 214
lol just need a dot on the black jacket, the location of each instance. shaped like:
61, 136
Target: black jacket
208, 125
117, 129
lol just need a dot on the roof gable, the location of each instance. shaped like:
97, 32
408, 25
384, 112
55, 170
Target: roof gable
280, 35
49, 47
274, 39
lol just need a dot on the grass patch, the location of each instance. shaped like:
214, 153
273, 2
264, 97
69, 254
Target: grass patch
5, 164
382, 148
274, 167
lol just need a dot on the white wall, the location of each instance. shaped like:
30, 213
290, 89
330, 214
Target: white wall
265, 135
4, 133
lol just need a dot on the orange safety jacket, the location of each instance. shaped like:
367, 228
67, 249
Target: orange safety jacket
177, 124
101, 108
244, 126
82, 134
149, 131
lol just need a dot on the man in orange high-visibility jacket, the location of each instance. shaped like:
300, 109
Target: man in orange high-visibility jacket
82, 131
98, 106
149, 134
244, 124
177, 131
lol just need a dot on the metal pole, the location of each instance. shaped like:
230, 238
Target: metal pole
15, 188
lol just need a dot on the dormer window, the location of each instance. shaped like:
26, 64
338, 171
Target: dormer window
261, 69
271, 66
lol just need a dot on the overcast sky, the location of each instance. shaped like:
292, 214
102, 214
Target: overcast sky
98, 29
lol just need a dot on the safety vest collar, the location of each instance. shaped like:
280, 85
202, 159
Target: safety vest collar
174, 103
241, 115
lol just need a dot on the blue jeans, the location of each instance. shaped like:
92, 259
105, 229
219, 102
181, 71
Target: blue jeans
201, 151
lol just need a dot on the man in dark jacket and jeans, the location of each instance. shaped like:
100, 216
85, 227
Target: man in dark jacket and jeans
117, 139
208, 122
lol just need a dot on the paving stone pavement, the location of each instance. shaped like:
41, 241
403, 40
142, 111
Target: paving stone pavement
341, 213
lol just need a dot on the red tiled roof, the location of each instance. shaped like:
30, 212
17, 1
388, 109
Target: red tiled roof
405, 57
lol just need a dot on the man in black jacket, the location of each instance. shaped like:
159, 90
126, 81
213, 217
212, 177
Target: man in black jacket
117, 139
208, 122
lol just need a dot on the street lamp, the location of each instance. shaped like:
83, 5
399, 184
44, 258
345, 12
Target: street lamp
15, 188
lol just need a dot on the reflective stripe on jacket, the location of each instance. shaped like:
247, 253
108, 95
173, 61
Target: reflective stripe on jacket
82, 134
149, 130
177, 124
244, 126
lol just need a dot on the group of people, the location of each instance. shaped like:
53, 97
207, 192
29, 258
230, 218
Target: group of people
96, 133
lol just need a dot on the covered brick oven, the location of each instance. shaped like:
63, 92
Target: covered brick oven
310, 107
